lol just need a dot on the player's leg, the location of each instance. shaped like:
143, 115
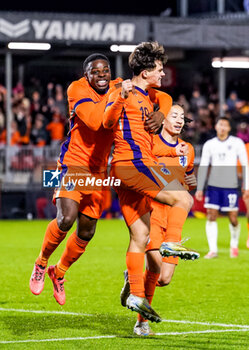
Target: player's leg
212, 233
90, 209
75, 247
151, 275
234, 228
166, 274
67, 211
136, 211
181, 202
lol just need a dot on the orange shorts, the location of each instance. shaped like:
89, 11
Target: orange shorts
133, 205
144, 176
158, 231
92, 204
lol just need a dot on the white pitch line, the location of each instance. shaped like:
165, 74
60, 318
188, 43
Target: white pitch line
206, 331
116, 336
48, 312
92, 315
208, 323
55, 339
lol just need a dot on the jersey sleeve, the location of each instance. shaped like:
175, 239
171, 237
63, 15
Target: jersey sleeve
242, 155
113, 109
190, 167
162, 99
89, 111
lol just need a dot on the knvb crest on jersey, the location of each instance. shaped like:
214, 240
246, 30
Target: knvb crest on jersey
164, 169
183, 160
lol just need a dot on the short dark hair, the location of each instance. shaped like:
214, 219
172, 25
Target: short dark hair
223, 118
145, 55
94, 57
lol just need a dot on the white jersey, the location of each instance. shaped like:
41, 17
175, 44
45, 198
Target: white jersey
223, 157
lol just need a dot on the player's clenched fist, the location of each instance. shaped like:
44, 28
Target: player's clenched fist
127, 86
182, 149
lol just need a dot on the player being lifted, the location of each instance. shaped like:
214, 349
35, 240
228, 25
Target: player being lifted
87, 148
222, 153
133, 162
159, 271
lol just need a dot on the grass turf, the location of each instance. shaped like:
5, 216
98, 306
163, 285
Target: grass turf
204, 291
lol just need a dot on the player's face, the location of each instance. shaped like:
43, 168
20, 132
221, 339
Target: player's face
174, 121
222, 128
154, 77
98, 74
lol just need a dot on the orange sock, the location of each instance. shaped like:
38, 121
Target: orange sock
248, 227
135, 266
176, 219
75, 247
150, 281
53, 237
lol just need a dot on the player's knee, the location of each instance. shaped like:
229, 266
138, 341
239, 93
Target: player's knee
86, 234
186, 200
65, 222
164, 280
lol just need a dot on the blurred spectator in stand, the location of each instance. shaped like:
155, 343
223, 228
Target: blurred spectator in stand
183, 102
18, 93
23, 118
56, 128
60, 99
243, 132
244, 111
2, 104
205, 125
39, 135
197, 100
232, 100
36, 105
16, 137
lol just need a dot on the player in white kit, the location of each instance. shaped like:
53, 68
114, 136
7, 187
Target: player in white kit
222, 153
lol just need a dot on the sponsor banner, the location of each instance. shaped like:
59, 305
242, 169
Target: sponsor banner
72, 28
190, 33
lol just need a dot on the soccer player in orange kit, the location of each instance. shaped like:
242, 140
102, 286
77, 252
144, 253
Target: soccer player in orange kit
86, 150
157, 268
133, 162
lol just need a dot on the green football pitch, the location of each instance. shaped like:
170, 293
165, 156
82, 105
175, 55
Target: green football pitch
205, 306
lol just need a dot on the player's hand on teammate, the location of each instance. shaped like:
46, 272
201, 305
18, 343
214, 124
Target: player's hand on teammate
182, 149
199, 195
154, 121
191, 181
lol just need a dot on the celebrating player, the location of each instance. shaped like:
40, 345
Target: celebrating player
222, 153
160, 270
86, 150
141, 175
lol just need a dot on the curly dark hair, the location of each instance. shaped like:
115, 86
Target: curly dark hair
145, 56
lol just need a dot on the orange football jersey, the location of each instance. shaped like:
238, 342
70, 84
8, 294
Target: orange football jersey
132, 141
177, 166
87, 143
